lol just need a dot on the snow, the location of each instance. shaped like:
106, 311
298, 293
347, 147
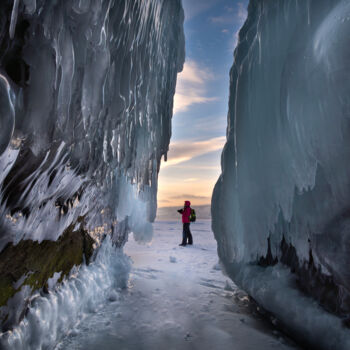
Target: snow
285, 169
182, 305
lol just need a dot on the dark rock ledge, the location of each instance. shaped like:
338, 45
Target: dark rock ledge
36, 262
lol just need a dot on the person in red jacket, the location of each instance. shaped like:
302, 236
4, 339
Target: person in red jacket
186, 233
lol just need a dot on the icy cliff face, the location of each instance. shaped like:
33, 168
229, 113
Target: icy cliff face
283, 195
86, 95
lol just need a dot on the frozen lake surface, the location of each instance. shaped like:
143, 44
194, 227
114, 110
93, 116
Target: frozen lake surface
177, 298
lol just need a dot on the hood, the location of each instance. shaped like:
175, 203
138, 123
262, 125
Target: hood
187, 203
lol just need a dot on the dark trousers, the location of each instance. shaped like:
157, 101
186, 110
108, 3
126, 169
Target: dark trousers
186, 234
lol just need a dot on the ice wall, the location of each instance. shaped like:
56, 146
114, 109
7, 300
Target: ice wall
283, 195
86, 96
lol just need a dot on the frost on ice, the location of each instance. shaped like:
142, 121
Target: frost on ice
282, 199
55, 314
86, 97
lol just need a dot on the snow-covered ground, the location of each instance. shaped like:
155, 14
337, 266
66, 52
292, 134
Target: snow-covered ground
177, 298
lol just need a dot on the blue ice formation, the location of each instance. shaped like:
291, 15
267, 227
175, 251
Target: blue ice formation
86, 97
281, 209
86, 100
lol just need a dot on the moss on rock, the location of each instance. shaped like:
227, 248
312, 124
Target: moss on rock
36, 262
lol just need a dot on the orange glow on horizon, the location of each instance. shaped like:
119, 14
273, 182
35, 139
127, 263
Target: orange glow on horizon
173, 191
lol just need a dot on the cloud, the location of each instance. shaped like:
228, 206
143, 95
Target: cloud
194, 74
182, 151
234, 17
242, 14
212, 123
198, 167
191, 179
227, 18
192, 196
191, 86
194, 8
164, 200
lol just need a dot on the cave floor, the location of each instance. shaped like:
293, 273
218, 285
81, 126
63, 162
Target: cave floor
177, 298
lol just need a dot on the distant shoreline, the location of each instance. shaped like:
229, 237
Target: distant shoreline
170, 213
180, 206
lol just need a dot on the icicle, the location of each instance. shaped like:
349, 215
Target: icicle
7, 114
14, 16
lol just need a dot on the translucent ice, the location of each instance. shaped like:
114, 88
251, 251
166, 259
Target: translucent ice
285, 184
90, 85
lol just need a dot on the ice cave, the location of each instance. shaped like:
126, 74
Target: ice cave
88, 89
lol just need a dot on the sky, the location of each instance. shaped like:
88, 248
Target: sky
201, 102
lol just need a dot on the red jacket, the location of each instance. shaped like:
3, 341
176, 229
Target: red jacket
186, 213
